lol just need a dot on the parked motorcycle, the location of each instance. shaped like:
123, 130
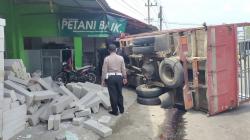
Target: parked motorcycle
83, 74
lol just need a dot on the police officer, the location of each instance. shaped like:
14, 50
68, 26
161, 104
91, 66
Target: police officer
114, 76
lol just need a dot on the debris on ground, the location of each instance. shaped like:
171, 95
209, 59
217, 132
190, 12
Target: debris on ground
41, 100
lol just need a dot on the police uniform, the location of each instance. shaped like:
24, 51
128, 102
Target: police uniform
113, 72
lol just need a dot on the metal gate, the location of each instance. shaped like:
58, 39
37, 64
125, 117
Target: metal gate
51, 62
244, 65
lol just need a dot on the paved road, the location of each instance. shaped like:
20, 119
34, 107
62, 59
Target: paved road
146, 123
231, 125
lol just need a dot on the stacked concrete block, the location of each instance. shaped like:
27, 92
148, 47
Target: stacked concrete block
48, 80
2, 24
13, 121
77, 90
104, 100
11, 94
35, 87
51, 122
68, 114
83, 113
61, 104
18, 80
65, 91
34, 118
57, 122
43, 95
16, 66
28, 96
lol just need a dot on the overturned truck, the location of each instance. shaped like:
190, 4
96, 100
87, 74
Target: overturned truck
191, 68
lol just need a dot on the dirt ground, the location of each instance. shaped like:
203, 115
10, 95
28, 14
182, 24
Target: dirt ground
146, 123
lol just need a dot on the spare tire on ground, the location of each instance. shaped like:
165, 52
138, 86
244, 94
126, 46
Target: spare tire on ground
149, 101
166, 100
171, 72
148, 91
143, 50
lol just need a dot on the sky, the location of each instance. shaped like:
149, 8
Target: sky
186, 13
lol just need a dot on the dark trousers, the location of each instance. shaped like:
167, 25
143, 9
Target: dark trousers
114, 84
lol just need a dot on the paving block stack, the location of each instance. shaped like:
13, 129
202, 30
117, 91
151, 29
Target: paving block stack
38, 100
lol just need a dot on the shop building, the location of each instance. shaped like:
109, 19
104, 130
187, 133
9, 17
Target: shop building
45, 33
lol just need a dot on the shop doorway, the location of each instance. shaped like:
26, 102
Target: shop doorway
52, 61
48, 54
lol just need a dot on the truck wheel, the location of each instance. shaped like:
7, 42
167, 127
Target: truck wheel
149, 101
171, 72
166, 101
143, 50
148, 91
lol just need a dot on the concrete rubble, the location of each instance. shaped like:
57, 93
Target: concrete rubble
40, 100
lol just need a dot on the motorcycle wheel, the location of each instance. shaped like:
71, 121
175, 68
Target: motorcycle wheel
90, 77
61, 77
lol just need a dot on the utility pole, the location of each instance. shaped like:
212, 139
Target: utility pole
160, 17
149, 5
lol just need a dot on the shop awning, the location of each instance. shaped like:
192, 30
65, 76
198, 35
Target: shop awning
133, 26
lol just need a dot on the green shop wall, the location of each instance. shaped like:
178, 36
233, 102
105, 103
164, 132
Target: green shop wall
29, 20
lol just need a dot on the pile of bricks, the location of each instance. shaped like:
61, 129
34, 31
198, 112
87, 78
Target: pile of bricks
34, 100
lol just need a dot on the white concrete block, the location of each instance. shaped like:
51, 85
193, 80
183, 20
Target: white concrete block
28, 96
11, 94
6, 104
105, 101
45, 115
13, 121
34, 118
32, 109
78, 121
44, 84
1, 123
35, 87
94, 102
105, 120
2, 22
97, 127
57, 122
80, 107
77, 90
14, 104
51, 122
87, 98
20, 98
65, 91
43, 95
69, 86
69, 116
48, 80
60, 137
61, 103
95, 109
83, 113
18, 80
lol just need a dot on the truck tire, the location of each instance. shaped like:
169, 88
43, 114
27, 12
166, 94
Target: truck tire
143, 50
145, 91
171, 72
166, 101
149, 101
